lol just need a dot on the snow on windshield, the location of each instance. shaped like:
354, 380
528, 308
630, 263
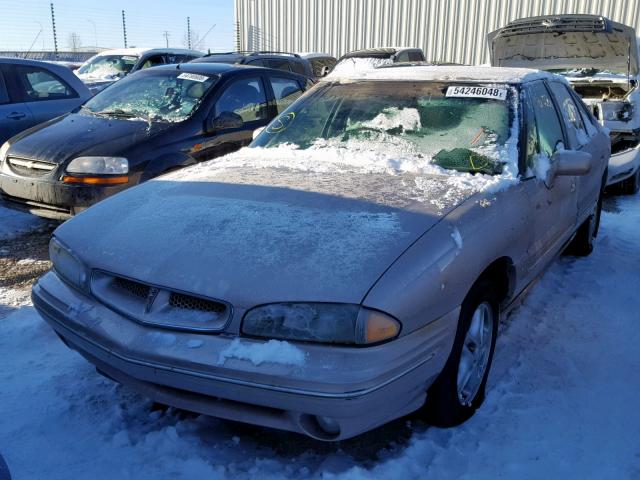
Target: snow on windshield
428, 151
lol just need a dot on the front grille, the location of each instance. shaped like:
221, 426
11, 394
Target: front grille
136, 289
159, 306
187, 302
553, 24
30, 168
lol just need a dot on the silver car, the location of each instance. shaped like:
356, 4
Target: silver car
350, 266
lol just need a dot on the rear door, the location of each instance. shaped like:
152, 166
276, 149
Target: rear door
286, 90
582, 138
553, 199
15, 116
46, 94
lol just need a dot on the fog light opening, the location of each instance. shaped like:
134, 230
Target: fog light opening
320, 427
328, 425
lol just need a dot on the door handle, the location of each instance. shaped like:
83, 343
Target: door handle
16, 115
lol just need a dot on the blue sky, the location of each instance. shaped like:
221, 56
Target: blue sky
27, 22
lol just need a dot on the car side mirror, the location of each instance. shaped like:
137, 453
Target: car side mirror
227, 121
257, 132
572, 162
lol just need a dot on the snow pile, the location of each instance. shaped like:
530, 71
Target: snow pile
406, 118
349, 66
273, 351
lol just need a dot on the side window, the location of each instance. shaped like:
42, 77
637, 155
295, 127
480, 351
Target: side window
573, 119
40, 84
589, 120
4, 93
244, 97
153, 61
297, 67
403, 57
279, 64
257, 63
549, 128
415, 56
285, 91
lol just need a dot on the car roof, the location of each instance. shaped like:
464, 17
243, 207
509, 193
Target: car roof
411, 72
380, 52
142, 51
213, 68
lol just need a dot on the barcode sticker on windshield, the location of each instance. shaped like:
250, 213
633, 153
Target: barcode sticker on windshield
477, 92
193, 76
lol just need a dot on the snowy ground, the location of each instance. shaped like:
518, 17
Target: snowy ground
562, 398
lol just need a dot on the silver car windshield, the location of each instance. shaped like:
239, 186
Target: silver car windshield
168, 96
467, 132
109, 65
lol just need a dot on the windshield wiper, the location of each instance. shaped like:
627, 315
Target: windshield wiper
119, 113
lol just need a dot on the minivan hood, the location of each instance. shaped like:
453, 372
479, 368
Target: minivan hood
565, 42
251, 235
71, 135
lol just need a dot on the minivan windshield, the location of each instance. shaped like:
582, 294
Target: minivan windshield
164, 96
456, 127
108, 66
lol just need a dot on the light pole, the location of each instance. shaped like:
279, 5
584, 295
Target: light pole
95, 33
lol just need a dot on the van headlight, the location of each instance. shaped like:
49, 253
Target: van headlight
67, 265
3, 151
320, 322
99, 165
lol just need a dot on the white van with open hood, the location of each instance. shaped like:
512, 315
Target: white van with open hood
599, 58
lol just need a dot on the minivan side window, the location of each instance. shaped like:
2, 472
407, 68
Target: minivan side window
577, 131
4, 93
244, 97
403, 57
550, 134
279, 64
415, 56
40, 84
297, 67
285, 91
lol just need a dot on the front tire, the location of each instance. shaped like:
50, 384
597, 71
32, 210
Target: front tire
460, 388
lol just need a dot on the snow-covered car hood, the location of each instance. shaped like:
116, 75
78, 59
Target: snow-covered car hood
565, 42
257, 234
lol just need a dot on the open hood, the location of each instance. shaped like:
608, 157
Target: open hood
565, 42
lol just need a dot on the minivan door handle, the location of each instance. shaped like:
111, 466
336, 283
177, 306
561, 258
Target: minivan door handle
16, 115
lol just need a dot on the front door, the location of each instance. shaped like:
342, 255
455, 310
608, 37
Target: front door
15, 115
246, 98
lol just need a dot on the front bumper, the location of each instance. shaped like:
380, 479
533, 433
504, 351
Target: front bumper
359, 388
623, 165
51, 198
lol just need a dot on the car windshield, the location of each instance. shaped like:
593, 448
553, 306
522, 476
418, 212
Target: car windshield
455, 127
170, 96
108, 65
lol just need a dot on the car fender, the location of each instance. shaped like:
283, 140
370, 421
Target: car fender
433, 276
165, 163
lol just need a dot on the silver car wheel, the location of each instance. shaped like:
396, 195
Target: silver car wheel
476, 350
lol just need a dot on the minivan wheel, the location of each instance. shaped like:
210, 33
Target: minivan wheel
459, 389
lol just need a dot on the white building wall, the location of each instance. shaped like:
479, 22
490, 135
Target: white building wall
447, 30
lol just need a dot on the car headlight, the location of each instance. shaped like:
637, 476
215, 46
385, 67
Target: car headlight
3, 151
320, 322
67, 265
99, 165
